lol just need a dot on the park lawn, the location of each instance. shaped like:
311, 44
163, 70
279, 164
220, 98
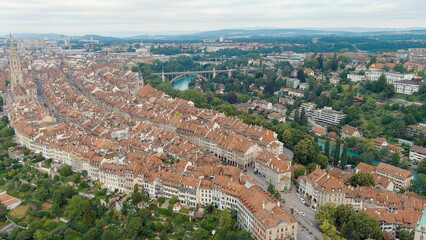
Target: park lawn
345, 86
19, 212
46, 206
3, 224
184, 210
410, 98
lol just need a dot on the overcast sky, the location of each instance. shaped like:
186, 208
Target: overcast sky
112, 16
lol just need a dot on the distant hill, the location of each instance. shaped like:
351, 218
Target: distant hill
377, 33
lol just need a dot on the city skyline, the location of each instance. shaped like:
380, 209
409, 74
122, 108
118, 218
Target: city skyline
159, 17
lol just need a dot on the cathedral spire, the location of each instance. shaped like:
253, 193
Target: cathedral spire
12, 46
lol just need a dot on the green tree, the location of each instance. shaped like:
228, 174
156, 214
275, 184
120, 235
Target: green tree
342, 214
419, 185
329, 231
201, 233
361, 226
225, 221
300, 172
421, 168
109, 234
55, 210
362, 179
406, 235
42, 235
327, 148
336, 152
326, 212
65, 171
134, 226
3, 211
322, 161
344, 157
305, 151
74, 210
88, 215
92, 234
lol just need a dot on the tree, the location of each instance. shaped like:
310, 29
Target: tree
84, 173
421, 168
88, 216
303, 118
322, 161
361, 226
74, 210
225, 221
419, 185
301, 75
271, 188
305, 151
327, 148
330, 231
201, 233
406, 235
300, 172
109, 234
92, 234
55, 210
342, 214
362, 179
65, 171
344, 157
161, 200
311, 167
395, 159
76, 178
326, 212
244, 235
336, 152
134, 226
3, 211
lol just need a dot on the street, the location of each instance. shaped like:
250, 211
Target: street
292, 200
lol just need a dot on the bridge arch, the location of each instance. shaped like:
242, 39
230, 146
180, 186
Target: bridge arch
188, 74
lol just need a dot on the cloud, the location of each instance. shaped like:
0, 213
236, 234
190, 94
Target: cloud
104, 16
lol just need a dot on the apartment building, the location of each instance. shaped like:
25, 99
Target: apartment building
327, 116
417, 153
391, 77
408, 87
320, 187
356, 77
416, 130
276, 169
401, 178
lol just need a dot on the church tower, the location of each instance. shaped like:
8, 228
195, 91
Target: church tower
141, 81
420, 229
16, 75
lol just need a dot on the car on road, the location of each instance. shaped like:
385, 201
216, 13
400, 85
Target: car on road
306, 204
301, 213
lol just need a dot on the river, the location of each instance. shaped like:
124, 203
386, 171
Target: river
182, 84
351, 153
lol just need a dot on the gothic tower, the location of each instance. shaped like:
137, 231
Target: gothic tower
16, 76
141, 81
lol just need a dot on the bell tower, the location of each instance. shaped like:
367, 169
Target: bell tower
16, 75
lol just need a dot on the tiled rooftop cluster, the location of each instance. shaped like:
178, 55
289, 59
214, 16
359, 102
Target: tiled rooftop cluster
166, 146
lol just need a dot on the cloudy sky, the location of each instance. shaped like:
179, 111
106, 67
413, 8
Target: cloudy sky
114, 16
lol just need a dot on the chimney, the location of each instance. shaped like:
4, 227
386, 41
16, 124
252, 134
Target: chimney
263, 204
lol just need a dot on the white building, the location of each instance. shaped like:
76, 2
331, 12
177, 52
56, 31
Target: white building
407, 86
328, 116
356, 78
417, 153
